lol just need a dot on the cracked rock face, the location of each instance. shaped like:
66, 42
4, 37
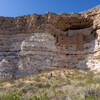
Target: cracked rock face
32, 43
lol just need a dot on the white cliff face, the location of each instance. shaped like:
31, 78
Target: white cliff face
29, 53
93, 61
44, 42
37, 52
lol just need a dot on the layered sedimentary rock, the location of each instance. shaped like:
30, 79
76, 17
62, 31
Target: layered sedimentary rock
32, 43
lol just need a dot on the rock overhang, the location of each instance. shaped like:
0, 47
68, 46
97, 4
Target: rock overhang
33, 42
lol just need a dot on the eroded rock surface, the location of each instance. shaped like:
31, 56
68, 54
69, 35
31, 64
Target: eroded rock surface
32, 43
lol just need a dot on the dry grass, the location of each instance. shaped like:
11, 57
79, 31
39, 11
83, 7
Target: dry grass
65, 84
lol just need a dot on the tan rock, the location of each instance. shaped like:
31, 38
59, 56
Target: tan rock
48, 41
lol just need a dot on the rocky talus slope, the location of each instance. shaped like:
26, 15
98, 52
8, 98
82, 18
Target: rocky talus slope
32, 43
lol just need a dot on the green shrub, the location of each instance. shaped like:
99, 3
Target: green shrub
90, 98
42, 97
14, 96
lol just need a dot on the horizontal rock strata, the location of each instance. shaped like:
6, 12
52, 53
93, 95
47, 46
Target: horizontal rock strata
32, 43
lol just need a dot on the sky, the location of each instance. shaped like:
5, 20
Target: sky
13, 8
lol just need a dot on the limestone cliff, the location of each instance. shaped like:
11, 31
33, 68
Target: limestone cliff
35, 42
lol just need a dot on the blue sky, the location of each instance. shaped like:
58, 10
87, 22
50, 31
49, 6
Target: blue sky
23, 7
